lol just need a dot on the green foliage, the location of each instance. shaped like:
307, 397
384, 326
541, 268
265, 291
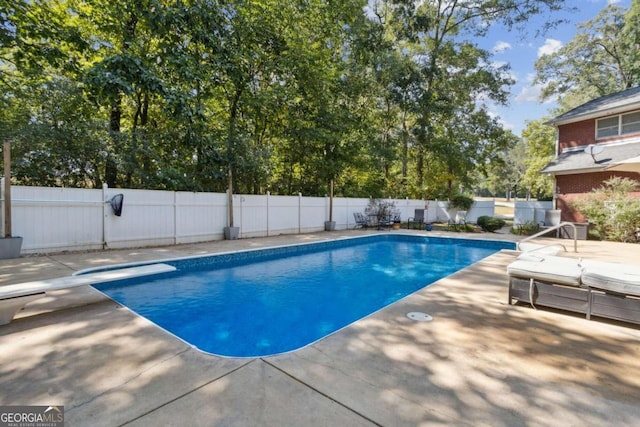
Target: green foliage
540, 150
461, 202
379, 96
527, 228
490, 224
614, 213
602, 58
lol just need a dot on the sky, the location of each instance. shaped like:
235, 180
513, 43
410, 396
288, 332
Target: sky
521, 54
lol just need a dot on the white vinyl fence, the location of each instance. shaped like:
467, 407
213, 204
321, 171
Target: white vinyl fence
530, 211
67, 219
439, 211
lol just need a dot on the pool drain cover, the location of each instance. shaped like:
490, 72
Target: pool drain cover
419, 317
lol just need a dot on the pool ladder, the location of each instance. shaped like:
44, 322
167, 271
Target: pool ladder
547, 230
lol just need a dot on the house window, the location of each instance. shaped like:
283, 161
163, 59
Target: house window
618, 125
631, 123
607, 127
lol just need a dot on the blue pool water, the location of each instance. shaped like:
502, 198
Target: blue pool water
266, 302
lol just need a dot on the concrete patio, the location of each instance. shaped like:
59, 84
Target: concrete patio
479, 362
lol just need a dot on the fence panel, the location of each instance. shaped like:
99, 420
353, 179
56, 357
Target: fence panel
148, 218
253, 215
56, 219
200, 217
481, 208
314, 211
284, 215
530, 211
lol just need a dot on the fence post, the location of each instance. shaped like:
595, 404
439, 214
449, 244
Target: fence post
175, 217
300, 213
105, 187
268, 208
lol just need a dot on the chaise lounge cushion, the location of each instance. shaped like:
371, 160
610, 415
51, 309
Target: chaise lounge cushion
552, 269
618, 278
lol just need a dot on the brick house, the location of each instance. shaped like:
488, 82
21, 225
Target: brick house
591, 137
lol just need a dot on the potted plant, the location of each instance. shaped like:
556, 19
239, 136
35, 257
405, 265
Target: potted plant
396, 223
10, 246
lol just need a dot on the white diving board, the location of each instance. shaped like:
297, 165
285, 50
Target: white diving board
14, 297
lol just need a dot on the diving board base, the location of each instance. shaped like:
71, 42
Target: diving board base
10, 306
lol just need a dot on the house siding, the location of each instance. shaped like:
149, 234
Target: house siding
583, 133
576, 134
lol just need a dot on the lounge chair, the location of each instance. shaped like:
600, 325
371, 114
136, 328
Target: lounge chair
592, 288
418, 218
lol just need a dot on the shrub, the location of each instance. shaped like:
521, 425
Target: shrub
490, 224
527, 228
614, 214
461, 202
381, 208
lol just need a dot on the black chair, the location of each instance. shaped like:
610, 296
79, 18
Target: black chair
418, 218
361, 220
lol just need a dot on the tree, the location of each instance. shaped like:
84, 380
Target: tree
540, 150
287, 95
452, 74
506, 174
601, 59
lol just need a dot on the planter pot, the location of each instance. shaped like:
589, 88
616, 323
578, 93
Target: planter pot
10, 247
396, 226
428, 227
231, 233
329, 226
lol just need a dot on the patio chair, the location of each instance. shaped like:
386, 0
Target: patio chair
418, 218
386, 221
361, 220
459, 220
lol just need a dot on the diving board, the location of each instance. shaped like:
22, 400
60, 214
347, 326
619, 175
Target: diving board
14, 297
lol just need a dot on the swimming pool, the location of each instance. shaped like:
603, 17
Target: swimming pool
269, 301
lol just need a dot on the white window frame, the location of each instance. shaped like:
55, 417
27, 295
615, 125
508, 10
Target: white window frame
619, 126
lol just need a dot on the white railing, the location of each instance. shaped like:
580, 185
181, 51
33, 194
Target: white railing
548, 230
69, 219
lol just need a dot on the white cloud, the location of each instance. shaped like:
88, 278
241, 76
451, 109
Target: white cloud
549, 47
529, 94
501, 47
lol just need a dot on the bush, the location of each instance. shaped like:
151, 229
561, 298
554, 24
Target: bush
613, 212
490, 224
381, 208
461, 202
